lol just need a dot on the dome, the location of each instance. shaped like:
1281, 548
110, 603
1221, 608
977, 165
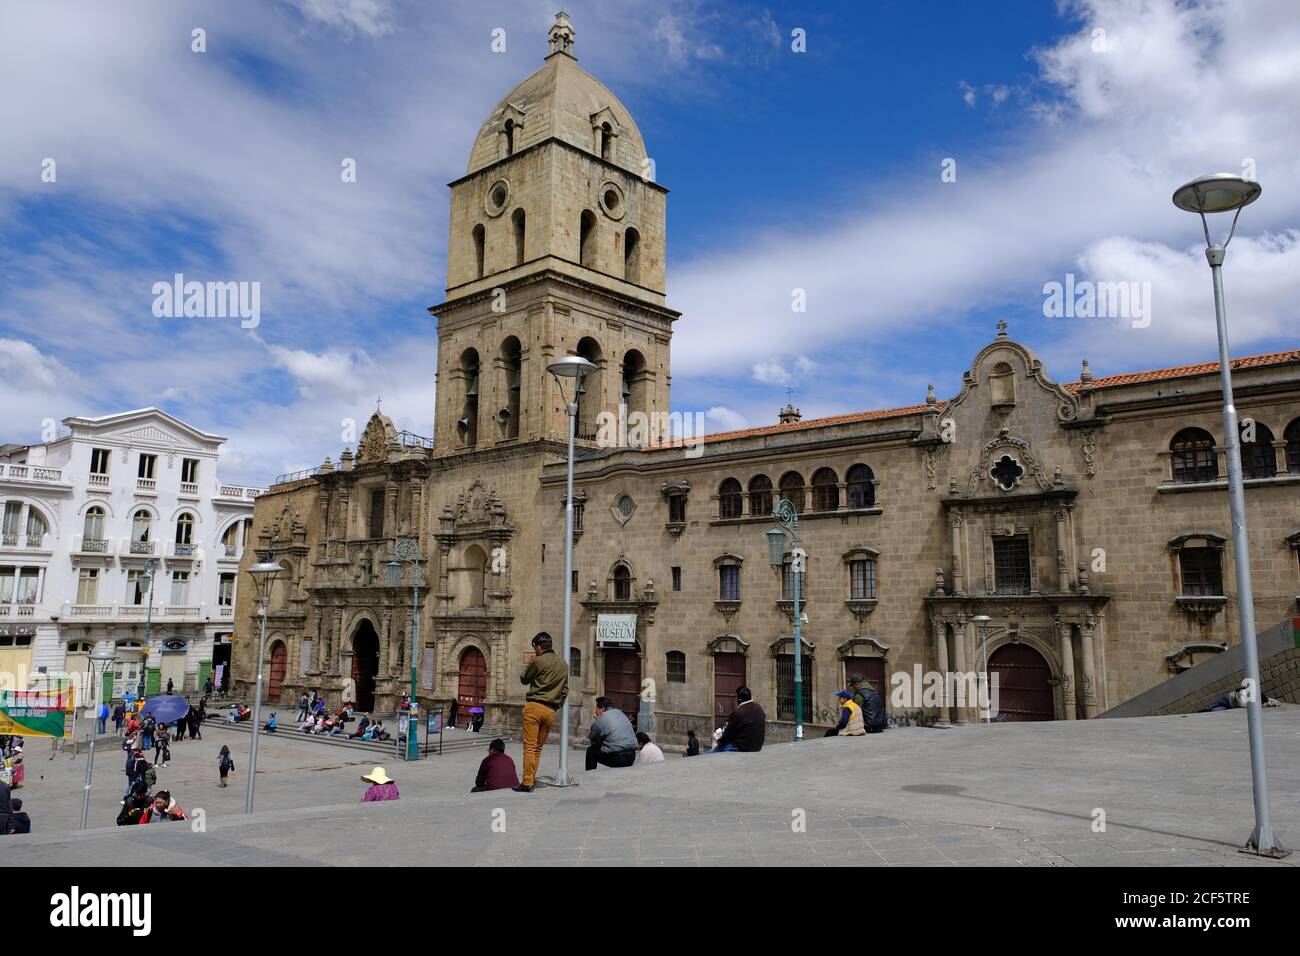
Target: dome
563, 101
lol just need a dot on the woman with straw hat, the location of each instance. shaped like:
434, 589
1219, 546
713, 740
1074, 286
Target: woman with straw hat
382, 786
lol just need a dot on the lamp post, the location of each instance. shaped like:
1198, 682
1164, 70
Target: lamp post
787, 518
981, 622
263, 573
150, 567
577, 368
1226, 192
100, 658
408, 549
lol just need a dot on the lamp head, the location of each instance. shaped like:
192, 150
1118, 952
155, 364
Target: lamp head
1216, 192
776, 547
264, 573
571, 366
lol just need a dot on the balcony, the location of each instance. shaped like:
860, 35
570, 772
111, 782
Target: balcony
189, 489
94, 546
141, 547
231, 553
37, 474
88, 611
146, 486
129, 612
226, 611
100, 482
238, 492
184, 550
25, 609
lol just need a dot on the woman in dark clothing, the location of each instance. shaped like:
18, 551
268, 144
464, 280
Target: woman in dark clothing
6, 809
19, 822
195, 724
160, 744
692, 745
134, 805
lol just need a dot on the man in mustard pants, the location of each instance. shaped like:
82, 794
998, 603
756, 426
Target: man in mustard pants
547, 678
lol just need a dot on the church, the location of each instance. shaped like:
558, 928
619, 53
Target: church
1071, 537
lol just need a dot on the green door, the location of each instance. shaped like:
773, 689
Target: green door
153, 682
107, 689
205, 671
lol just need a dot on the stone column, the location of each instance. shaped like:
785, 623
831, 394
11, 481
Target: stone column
1279, 460
941, 648
1089, 670
958, 578
1067, 669
390, 510
1062, 565
959, 636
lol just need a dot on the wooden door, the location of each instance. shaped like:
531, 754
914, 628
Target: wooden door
1024, 691
623, 681
472, 687
873, 669
279, 658
728, 675
365, 666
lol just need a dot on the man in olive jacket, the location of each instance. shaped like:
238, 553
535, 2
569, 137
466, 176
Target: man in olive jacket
547, 678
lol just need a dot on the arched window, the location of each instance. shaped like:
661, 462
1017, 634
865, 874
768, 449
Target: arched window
729, 499
825, 490
235, 538
510, 137
676, 667
575, 662
792, 489
141, 527
36, 528
589, 390
1292, 438
632, 256
511, 369
861, 487
622, 583
1258, 460
1194, 458
518, 219
606, 140
760, 495
467, 424
480, 242
92, 533
185, 528
587, 239
633, 395
476, 568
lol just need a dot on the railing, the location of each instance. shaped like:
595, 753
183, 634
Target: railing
227, 611
100, 481
296, 475
8, 540
179, 611
147, 485
92, 610
184, 550
22, 609
36, 541
142, 547
230, 554
31, 473
190, 488
412, 440
94, 545
129, 611
238, 491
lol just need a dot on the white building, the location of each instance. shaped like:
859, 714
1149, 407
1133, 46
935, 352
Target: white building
86, 517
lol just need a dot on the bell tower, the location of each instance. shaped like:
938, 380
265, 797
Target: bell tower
556, 247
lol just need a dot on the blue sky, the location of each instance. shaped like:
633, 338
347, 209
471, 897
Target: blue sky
817, 171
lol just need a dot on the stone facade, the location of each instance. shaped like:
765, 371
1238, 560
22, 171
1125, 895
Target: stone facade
1066, 514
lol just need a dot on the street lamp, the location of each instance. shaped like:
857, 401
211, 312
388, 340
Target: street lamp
150, 567
981, 622
1227, 192
577, 368
100, 658
408, 550
787, 519
263, 573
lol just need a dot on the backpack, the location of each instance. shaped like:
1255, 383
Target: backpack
225, 764
150, 777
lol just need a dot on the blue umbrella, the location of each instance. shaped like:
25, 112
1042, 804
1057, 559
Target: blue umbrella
166, 709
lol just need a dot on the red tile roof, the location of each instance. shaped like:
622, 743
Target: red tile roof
780, 429
1186, 371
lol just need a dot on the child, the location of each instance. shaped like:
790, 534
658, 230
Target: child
224, 764
19, 822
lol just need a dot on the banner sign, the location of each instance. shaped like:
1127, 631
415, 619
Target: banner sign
37, 713
616, 630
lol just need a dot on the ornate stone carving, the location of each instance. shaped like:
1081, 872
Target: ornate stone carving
930, 469
379, 434
1006, 440
1088, 444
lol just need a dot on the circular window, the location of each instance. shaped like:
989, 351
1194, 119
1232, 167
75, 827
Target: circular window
497, 197
611, 200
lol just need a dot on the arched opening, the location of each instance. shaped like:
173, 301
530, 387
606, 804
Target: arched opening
606, 140
235, 538
476, 565
471, 688
467, 424
510, 137
511, 372
92, 532
861, 487
792, 489
480, 244
279, 664
587, 239
1024, 689
1292, 438
518, 220
141, 531
1193, 456
365, 665
729, 499
633, 387
632, 256
760, 495
589, 390
825, 490
622, 583
623, 679
1258, 460
184, 530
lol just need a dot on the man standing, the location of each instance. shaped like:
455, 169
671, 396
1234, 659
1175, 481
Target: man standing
746, 727
872, 704
547, 678
613, 741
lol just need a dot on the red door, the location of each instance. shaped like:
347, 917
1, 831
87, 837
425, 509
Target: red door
728, 675
623, 681
1024, 691
472, 688
279, 657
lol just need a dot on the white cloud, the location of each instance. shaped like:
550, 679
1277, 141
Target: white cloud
774, 372
726, 419
371, 17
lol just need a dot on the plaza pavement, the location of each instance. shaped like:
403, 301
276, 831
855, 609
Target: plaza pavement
1175, 791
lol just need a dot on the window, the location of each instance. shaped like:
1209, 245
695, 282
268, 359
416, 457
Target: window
226, 590
760, 495
677, 509
862, 579
1202, 574
141, 527
29, 585
36, 528
729, 499
479, 237
632, 256
577, 515
147, 465
1011, 564
184, 530
99, 459
518, 220
606, 140
573, 583
792, 489
785, 686
376, 512
622, 583
88, 586
13, 514
1194, 458
729, 582
587, 239
575, 662
467, 424
1258, 460
510, 137
511, 370
677, 579
788, 581
826, 490
235, 538
180, 588
626, 506
92, 532
7, 573
137, 587
676, 667
861, 487
1292, 438
190, 471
